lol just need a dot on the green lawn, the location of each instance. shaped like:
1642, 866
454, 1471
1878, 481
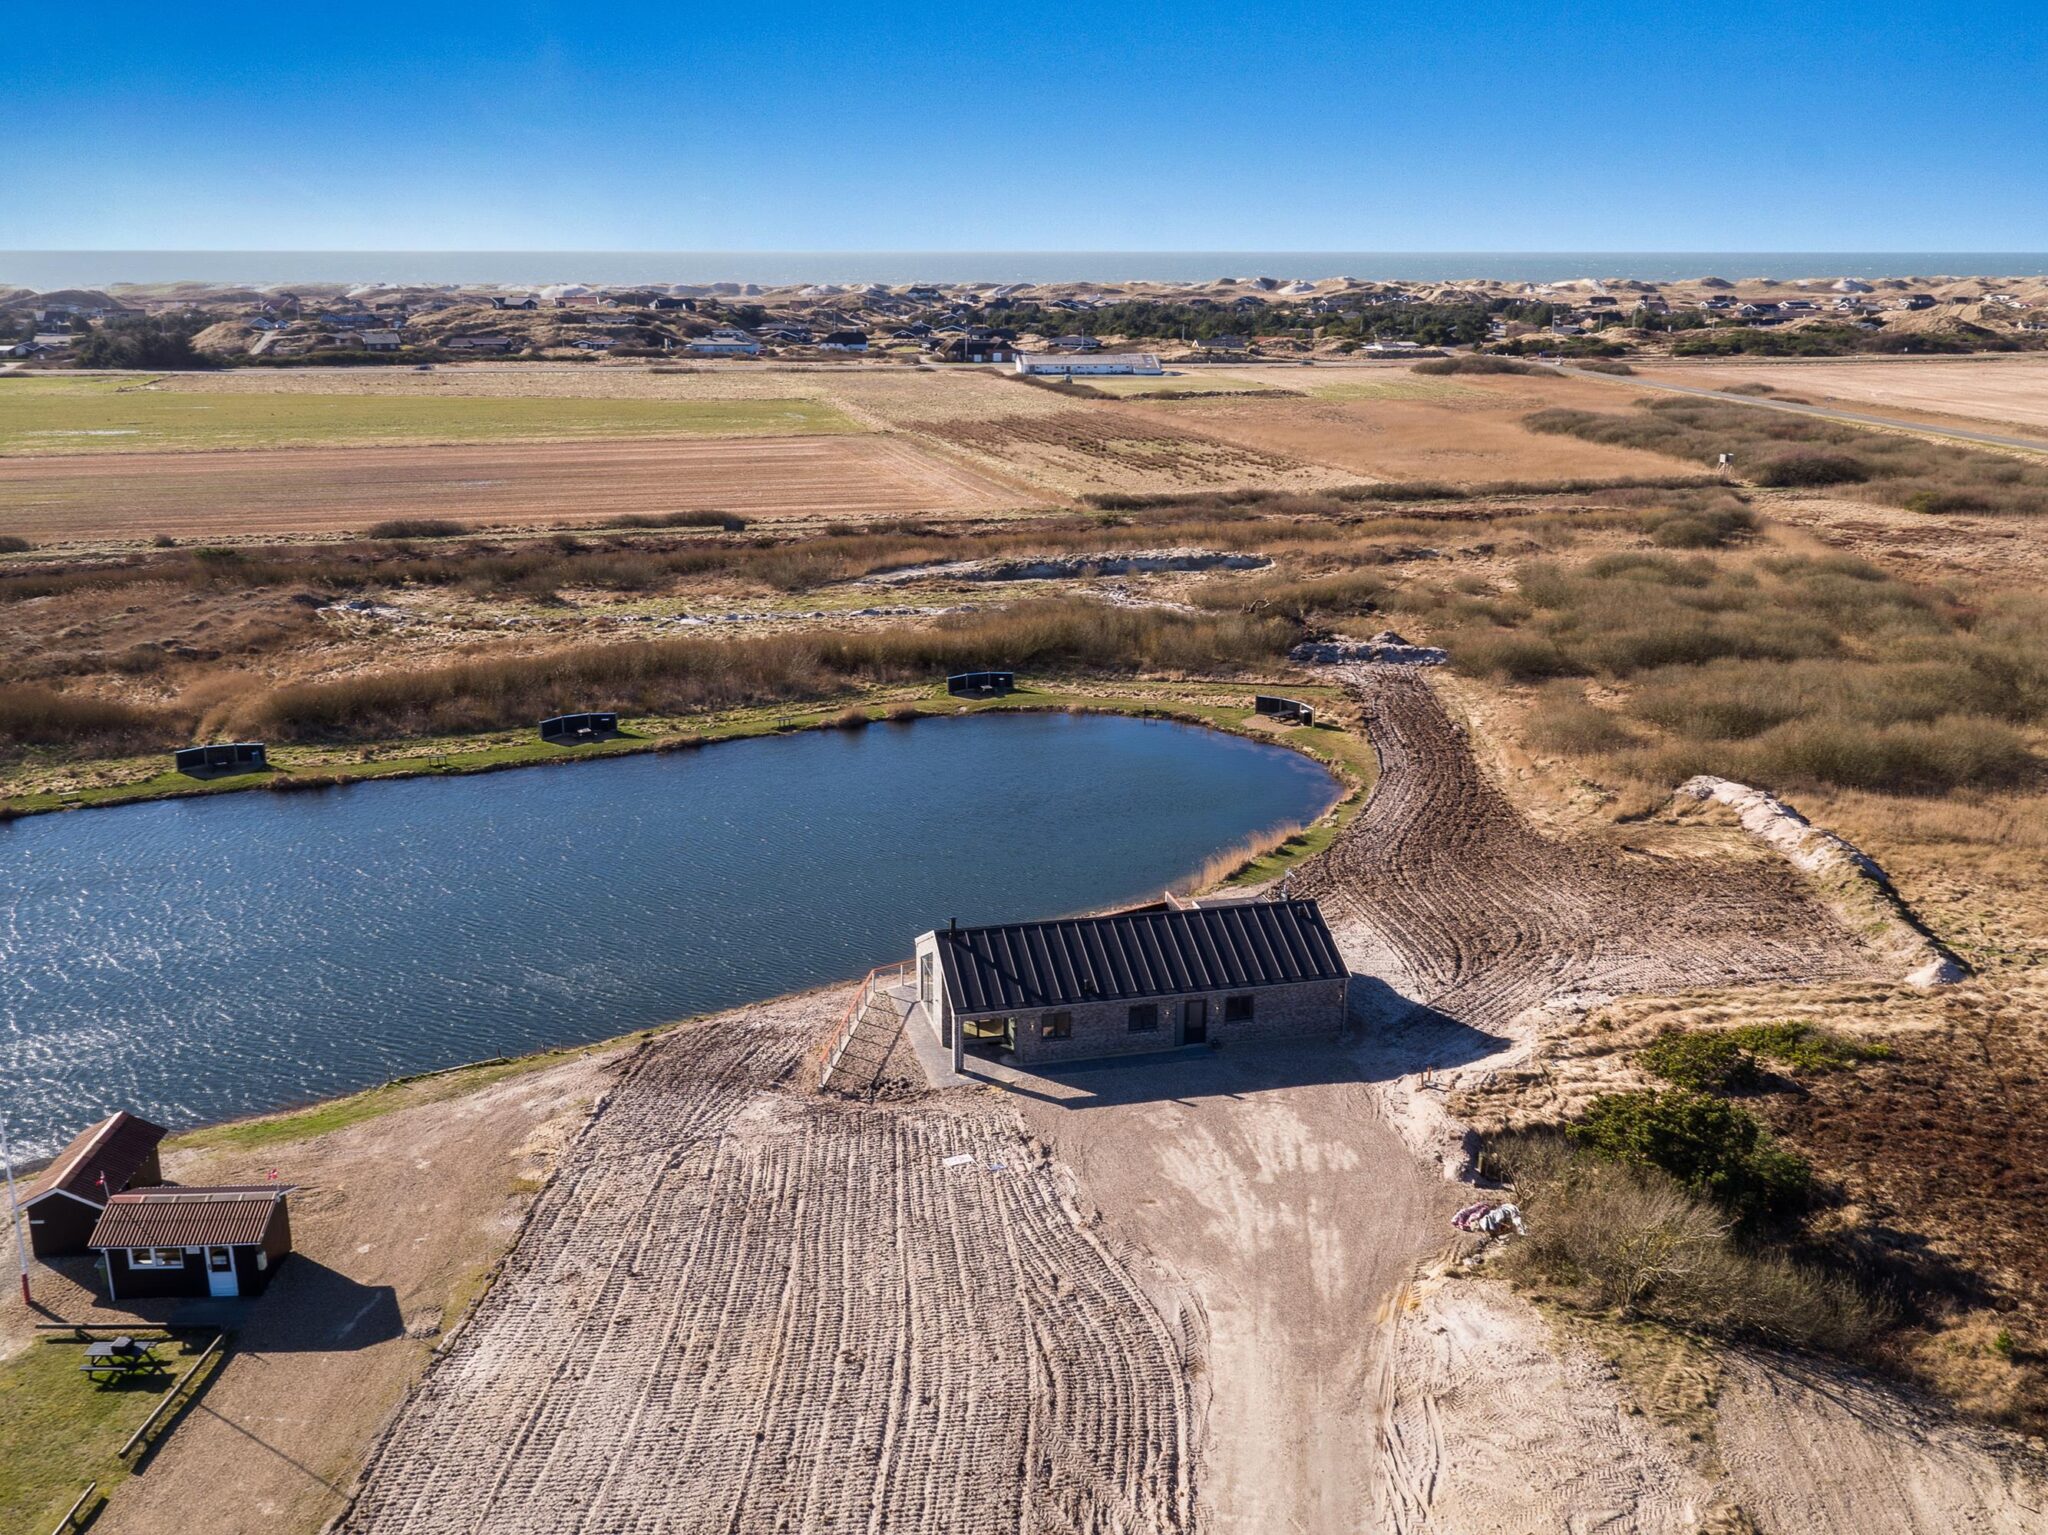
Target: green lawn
40, 416
60, 1430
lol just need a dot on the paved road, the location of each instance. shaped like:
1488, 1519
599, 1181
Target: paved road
1824, 412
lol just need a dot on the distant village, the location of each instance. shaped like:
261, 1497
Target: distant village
1032, 328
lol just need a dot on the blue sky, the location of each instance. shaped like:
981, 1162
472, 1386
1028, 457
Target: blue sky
1135, 126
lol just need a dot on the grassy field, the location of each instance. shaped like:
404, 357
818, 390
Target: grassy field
66, 416
1202, 382
1402, 387
61, 1430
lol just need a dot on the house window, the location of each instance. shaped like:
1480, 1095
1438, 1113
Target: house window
1056, 1026
156, 1257
1144, 1017
1237, 1009
219, 1259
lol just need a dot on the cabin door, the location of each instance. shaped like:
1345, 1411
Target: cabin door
220, 1271
1194, 1021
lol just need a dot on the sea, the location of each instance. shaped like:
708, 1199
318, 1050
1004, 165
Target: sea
47, 270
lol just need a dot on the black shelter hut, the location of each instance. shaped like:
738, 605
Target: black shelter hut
572, 728
965, 683
224, 758
1292, 710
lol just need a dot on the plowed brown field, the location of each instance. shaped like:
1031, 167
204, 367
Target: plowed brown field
297, 491
740, 1307
1486, 917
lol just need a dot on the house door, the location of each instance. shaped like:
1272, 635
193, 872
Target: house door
1194, 1021
220, 1271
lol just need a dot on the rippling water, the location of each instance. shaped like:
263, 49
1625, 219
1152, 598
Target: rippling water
197, 959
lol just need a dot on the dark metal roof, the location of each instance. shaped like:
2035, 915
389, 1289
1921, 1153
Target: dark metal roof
1137, 954
117, 1146
180, 1217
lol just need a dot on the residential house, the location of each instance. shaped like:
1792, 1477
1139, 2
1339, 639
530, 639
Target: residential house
1231, 972
1067, 364
843, 341
192, 1241
66, 1199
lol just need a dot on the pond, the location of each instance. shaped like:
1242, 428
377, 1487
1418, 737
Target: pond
197, 959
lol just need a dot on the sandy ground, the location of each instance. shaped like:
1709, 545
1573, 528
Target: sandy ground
1272, 1184
322, 490
1491, 1425
1469, 433
743, 1307
398, 1219
1496, 1425
1999, 391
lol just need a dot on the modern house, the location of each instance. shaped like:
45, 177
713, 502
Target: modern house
723, 343
1044, 363
1133, 982
843, 341
977, 349
480, 343
507, 301
67, 1197
192, 1241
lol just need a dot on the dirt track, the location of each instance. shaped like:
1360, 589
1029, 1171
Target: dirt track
324, 490
740, 1307
1483, 918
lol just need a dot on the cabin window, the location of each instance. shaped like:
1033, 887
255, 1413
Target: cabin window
1237, 1009
219, 1259
156, 1257
1056, 1026
1144, 1017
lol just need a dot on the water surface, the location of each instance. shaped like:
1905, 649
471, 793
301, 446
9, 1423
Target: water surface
196, 959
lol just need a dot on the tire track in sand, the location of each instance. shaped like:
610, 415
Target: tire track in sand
741, 1308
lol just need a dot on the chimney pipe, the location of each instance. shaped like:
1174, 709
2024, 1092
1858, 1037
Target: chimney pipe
952, 924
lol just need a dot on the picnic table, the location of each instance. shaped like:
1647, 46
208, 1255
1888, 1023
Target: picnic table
123, 1356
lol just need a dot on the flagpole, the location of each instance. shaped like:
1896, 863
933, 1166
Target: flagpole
14, 1214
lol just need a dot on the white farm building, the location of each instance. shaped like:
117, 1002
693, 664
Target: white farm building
1075, 364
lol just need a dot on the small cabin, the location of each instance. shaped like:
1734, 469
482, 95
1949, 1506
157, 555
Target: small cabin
1157, 978
969, 684
1289, 710
67, 1197
192, 1241
572, 728
227, 757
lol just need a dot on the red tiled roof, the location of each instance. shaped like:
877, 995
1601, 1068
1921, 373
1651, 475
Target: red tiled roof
117, 1146
181, 1217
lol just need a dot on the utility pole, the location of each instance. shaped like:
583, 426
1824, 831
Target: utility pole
14, 1215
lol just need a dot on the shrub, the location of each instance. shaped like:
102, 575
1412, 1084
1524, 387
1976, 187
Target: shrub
417, 527
730, 522
1442, 366
1633, 1240
1701, 1063
1562, 721
1715, 1149
32, 716
9, 544
677, 675
1791, 469
1807, 1048
1698, 527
